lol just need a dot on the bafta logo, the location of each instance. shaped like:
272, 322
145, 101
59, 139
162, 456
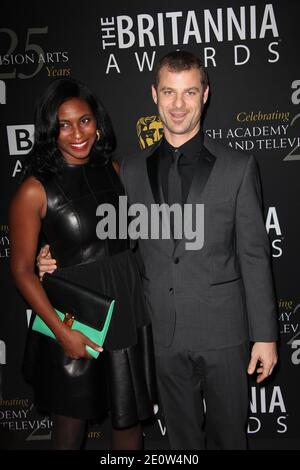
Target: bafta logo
149, 130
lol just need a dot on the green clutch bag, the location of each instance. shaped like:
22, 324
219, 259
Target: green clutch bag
80, 308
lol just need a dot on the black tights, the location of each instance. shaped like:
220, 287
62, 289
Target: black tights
127, 439
69, 433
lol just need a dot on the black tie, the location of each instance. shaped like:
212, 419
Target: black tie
174, 185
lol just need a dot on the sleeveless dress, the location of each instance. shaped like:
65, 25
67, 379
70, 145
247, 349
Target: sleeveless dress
122, 379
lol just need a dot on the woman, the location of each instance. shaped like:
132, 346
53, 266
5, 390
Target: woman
67, 175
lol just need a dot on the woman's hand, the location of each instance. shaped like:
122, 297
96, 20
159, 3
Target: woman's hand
74, 344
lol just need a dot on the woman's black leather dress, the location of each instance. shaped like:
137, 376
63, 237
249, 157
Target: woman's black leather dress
122, 379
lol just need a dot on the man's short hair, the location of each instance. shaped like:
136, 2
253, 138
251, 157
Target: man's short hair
179, 60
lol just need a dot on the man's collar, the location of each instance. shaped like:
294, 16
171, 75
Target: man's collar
189, 149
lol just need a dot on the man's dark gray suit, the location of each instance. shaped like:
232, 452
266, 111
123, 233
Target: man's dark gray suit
207, 305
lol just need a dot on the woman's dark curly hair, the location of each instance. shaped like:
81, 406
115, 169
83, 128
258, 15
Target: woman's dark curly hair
45, 159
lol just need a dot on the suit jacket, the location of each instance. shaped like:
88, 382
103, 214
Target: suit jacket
221, 295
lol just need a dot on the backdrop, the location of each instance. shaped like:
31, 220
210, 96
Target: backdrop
250, 50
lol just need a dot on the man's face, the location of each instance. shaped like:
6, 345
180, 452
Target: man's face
180, 98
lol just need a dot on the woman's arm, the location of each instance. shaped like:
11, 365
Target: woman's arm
27, 209
116, 166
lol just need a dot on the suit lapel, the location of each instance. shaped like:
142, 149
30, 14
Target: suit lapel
153, 169
202, 172
153, 175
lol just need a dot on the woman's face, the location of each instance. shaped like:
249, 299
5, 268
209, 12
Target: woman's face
77, 130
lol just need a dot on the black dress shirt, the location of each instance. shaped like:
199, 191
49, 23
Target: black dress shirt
190, 151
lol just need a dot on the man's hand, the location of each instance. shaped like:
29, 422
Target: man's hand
44, 262
265, 355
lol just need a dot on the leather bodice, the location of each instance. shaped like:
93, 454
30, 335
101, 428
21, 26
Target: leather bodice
70, 222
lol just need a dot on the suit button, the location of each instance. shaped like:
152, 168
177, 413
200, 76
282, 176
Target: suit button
171, 290
176, 260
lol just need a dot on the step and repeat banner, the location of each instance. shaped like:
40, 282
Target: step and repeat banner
251, 52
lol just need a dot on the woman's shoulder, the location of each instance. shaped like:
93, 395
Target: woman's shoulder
31, 193
30, 186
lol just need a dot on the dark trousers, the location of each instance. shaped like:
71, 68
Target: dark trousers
220, 377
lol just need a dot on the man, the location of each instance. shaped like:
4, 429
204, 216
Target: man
206, 305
